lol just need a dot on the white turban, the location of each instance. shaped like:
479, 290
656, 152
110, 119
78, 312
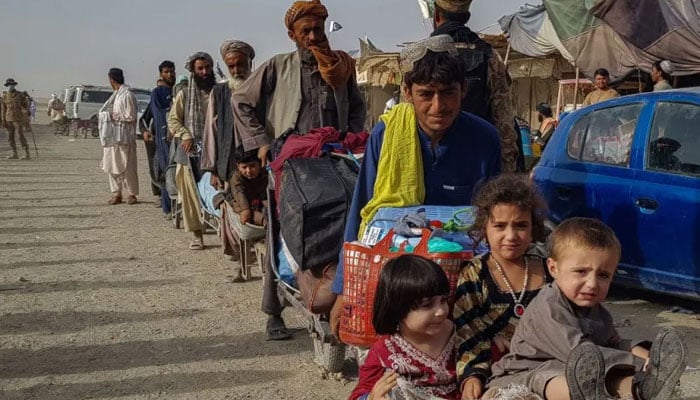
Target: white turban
667, 67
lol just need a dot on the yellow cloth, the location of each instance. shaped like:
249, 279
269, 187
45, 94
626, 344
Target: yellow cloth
399, 180
188, 198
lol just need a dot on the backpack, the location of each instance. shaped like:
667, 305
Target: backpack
476, 57
314, 202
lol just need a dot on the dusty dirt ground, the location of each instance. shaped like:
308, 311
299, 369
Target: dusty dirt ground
107, 302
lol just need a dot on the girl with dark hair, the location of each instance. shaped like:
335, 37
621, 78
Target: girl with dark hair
494, 288
415, 359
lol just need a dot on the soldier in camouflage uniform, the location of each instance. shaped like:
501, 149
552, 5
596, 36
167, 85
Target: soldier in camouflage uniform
14, 111
488, 85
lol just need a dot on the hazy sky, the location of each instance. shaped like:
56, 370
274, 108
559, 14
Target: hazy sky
48, 44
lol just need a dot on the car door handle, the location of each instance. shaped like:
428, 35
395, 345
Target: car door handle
646, 204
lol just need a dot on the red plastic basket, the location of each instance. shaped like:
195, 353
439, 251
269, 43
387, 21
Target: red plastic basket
362, 267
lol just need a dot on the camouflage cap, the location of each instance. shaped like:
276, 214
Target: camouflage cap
454, 6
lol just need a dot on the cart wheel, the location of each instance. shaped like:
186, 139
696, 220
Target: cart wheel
329, 356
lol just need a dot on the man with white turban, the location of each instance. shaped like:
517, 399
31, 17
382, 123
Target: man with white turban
661, 75
220, 141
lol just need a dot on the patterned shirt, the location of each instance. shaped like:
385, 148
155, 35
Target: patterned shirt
418, 373
481, 312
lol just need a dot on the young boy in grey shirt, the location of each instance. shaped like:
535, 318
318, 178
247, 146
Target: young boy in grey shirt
566, 347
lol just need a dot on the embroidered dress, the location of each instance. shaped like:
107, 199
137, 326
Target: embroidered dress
420, 376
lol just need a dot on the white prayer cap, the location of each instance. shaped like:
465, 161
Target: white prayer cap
667, 67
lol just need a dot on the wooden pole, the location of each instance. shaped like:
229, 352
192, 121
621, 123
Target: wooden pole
507, 55
578, 73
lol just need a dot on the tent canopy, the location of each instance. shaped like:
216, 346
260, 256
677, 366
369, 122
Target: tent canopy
619, 35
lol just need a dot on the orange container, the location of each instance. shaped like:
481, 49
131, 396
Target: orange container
362, 267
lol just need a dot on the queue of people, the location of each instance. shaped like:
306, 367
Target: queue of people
518, 318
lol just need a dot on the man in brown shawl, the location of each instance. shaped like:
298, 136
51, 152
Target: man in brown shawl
311, 87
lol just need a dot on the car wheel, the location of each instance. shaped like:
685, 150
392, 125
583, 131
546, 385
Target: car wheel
94, 130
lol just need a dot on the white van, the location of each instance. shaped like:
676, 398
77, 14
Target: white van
83, 102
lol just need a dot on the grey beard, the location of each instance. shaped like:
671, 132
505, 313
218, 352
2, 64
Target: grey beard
307, 56
235, 82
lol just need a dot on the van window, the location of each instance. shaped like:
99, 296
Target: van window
71, 95
674, 145
94, 96
609, 134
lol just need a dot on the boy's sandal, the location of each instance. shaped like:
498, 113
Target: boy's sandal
196, 244
585, 373
668, 358
276, 330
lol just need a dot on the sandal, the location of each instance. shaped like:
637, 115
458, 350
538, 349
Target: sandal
668, 358
115, 200
276, 330
131, 200
585, 373
197, 244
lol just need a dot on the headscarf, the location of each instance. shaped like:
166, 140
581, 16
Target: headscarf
189, 64
454, 6
231, 46
182, 77
336, 67
302, 9
414, 52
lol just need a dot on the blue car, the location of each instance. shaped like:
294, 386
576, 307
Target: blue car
634, 163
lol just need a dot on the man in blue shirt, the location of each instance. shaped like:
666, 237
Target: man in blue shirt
459, 150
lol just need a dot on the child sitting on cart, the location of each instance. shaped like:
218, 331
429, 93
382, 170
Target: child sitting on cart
247, 200
249, 188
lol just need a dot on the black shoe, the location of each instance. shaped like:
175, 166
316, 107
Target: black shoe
276, 329
585, 373
668, 358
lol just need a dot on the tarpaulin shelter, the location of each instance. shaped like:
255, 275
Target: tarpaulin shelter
378, 75
534, 79
619, 35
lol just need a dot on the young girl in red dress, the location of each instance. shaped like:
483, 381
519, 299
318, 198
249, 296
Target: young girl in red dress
415, 357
